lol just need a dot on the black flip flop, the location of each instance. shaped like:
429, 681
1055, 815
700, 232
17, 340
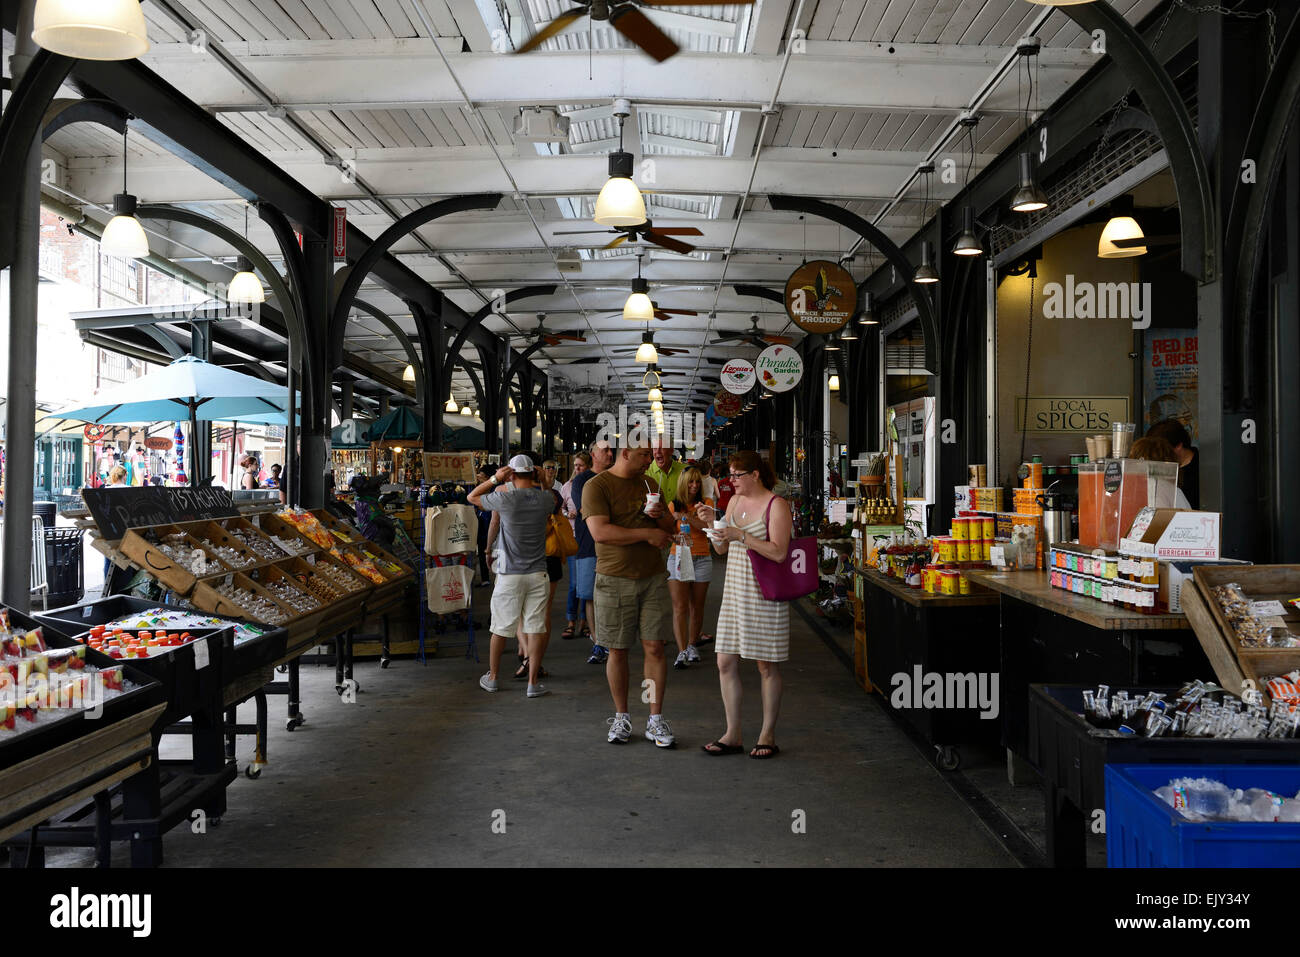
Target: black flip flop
771, 749
721, 748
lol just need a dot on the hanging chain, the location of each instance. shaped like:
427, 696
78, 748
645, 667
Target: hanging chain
1267, 13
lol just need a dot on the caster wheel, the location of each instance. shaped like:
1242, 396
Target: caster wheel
282, 670
295, 722
947, 758
253, 772
383, 662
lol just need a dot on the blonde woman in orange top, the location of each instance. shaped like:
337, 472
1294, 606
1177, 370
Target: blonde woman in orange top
688, 595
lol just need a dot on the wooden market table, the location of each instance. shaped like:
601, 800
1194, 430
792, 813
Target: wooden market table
911, 633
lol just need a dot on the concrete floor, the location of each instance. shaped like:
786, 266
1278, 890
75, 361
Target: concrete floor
416, 771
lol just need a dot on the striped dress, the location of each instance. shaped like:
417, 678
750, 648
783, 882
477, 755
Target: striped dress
748, 624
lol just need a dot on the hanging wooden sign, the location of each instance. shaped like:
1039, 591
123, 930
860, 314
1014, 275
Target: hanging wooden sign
727, 404
159, 443
820, 296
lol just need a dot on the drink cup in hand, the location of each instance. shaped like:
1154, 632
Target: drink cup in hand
651, 502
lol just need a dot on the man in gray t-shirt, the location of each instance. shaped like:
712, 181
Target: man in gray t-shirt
521, 589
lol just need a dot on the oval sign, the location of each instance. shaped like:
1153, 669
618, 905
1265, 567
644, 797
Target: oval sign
158, 443
820, 296
726, 404
738, 375
779, 368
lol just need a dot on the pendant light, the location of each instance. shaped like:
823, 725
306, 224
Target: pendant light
91, 29
408, 374
647, 352
511, 402
1030, 197
847, 334
247, 288
124, 236
638, 307
451, 405
620, 202
832, 343
868, 317
1121, 226
466, 410
656, 407
925, 273
968, 243
833, 384
655, 394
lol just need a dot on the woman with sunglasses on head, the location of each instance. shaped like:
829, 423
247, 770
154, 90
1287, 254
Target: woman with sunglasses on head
688, 594
750, 626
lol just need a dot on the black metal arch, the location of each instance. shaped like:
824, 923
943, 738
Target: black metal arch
429, 330
1160, 97
886, 247
65, 111
1266, 143
412, 356
514, 295
347, 291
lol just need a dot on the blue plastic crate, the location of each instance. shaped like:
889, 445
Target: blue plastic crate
1144, 831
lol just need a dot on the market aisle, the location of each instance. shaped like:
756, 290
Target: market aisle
413, 773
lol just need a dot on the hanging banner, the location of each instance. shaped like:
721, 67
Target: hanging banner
738, 376
1170, 377
820, 296
779, 368
159, 443
727, 404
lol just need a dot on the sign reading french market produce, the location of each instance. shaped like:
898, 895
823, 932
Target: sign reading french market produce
1070, 414
738, 375
779, 368
820, 296
726, 404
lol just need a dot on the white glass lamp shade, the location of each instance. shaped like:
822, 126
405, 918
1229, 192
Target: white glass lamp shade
655, 395
834, 383
451, 405
91, 29
1120, 227
408, 374
656, 407
247, 288
466, 410
620, 202
638, 308
646, 352
124, 236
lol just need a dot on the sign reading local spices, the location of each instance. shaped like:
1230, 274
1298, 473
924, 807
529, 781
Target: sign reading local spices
820, 296
779, 368
738, 376
1070, 414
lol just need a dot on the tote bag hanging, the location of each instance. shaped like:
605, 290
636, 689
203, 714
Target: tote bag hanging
792, 578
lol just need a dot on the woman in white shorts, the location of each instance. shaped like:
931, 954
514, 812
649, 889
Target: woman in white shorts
688, 594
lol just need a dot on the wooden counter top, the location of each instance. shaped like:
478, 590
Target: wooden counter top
1035, 588
921, 598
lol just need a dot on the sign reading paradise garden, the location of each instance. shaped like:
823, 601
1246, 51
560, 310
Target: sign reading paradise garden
820, 296
779, 368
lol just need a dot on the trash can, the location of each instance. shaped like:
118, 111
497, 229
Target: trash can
64, 568
48, 511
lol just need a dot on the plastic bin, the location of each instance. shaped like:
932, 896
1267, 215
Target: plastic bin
1143, 831
64, 567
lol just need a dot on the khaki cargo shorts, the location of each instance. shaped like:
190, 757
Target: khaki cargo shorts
630, 610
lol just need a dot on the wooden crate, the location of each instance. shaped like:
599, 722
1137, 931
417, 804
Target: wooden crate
272, 524
136, 546
275, 553
347, 607
213, 532
207, 598
1235, 666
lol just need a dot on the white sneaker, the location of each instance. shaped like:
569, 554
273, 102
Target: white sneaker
620, 729
691, 654
537, 690
487, 682
680, 663
659, 733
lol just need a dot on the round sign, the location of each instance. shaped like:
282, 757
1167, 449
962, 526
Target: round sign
738, 375
779, 368
727, 404
94, 433
820, 296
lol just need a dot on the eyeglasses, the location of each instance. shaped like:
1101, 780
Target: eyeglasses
739, 474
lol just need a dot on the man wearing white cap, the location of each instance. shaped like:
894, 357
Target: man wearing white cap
522, 588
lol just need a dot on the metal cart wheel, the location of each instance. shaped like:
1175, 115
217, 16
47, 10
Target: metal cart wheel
282, 670
384, 662
296, 721
947, 758
253, 771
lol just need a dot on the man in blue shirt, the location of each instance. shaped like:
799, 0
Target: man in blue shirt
602, 457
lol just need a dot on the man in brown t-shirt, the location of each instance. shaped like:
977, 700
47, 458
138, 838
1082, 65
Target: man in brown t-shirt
631, 528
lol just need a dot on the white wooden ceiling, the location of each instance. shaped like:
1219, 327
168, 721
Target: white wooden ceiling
862, 92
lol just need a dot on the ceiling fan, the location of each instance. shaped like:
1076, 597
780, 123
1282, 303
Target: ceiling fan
624, 17
646, 231
546, 335
754, 336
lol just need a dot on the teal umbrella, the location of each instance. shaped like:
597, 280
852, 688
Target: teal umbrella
399, 425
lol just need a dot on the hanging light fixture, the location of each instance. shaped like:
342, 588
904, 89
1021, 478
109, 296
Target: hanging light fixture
511, 402
868, 317
833, 384
620, 202
847, 334
925, 273
91, 29
451, 405
1121, 226
968, 243
466, 410
647, 352
124, 236
832, 343
655, 394
408, 374
657, 407
638, 307
1029, 197
247, 288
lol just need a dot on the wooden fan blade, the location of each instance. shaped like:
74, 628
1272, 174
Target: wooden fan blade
667, 242
636, 26
680, 312
583, 232
568, 338
778, 340
551, 340
618, 242
677, 230
552, 28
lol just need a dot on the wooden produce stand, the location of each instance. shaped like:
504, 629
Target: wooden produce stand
911, 633
1051, 636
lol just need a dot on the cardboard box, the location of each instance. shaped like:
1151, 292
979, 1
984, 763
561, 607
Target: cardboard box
963, 498
1176, 575
1175, 534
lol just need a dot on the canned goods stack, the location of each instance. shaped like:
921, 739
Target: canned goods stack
967, 547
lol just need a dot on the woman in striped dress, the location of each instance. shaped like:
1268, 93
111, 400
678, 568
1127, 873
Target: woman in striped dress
750, 626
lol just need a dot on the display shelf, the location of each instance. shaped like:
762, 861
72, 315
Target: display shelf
1035, 588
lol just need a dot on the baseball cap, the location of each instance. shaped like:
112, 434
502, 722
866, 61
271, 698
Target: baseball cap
521, 464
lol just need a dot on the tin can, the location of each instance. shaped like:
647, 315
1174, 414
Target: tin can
949, 582
930, 578
947, 549
961, 529
990, 525
963, 550
963, 585
1035, 479
986, 549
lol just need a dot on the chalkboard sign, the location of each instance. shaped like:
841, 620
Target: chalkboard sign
117, 509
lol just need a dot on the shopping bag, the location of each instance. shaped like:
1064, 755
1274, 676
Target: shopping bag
448, 588
685, 564
560, 542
